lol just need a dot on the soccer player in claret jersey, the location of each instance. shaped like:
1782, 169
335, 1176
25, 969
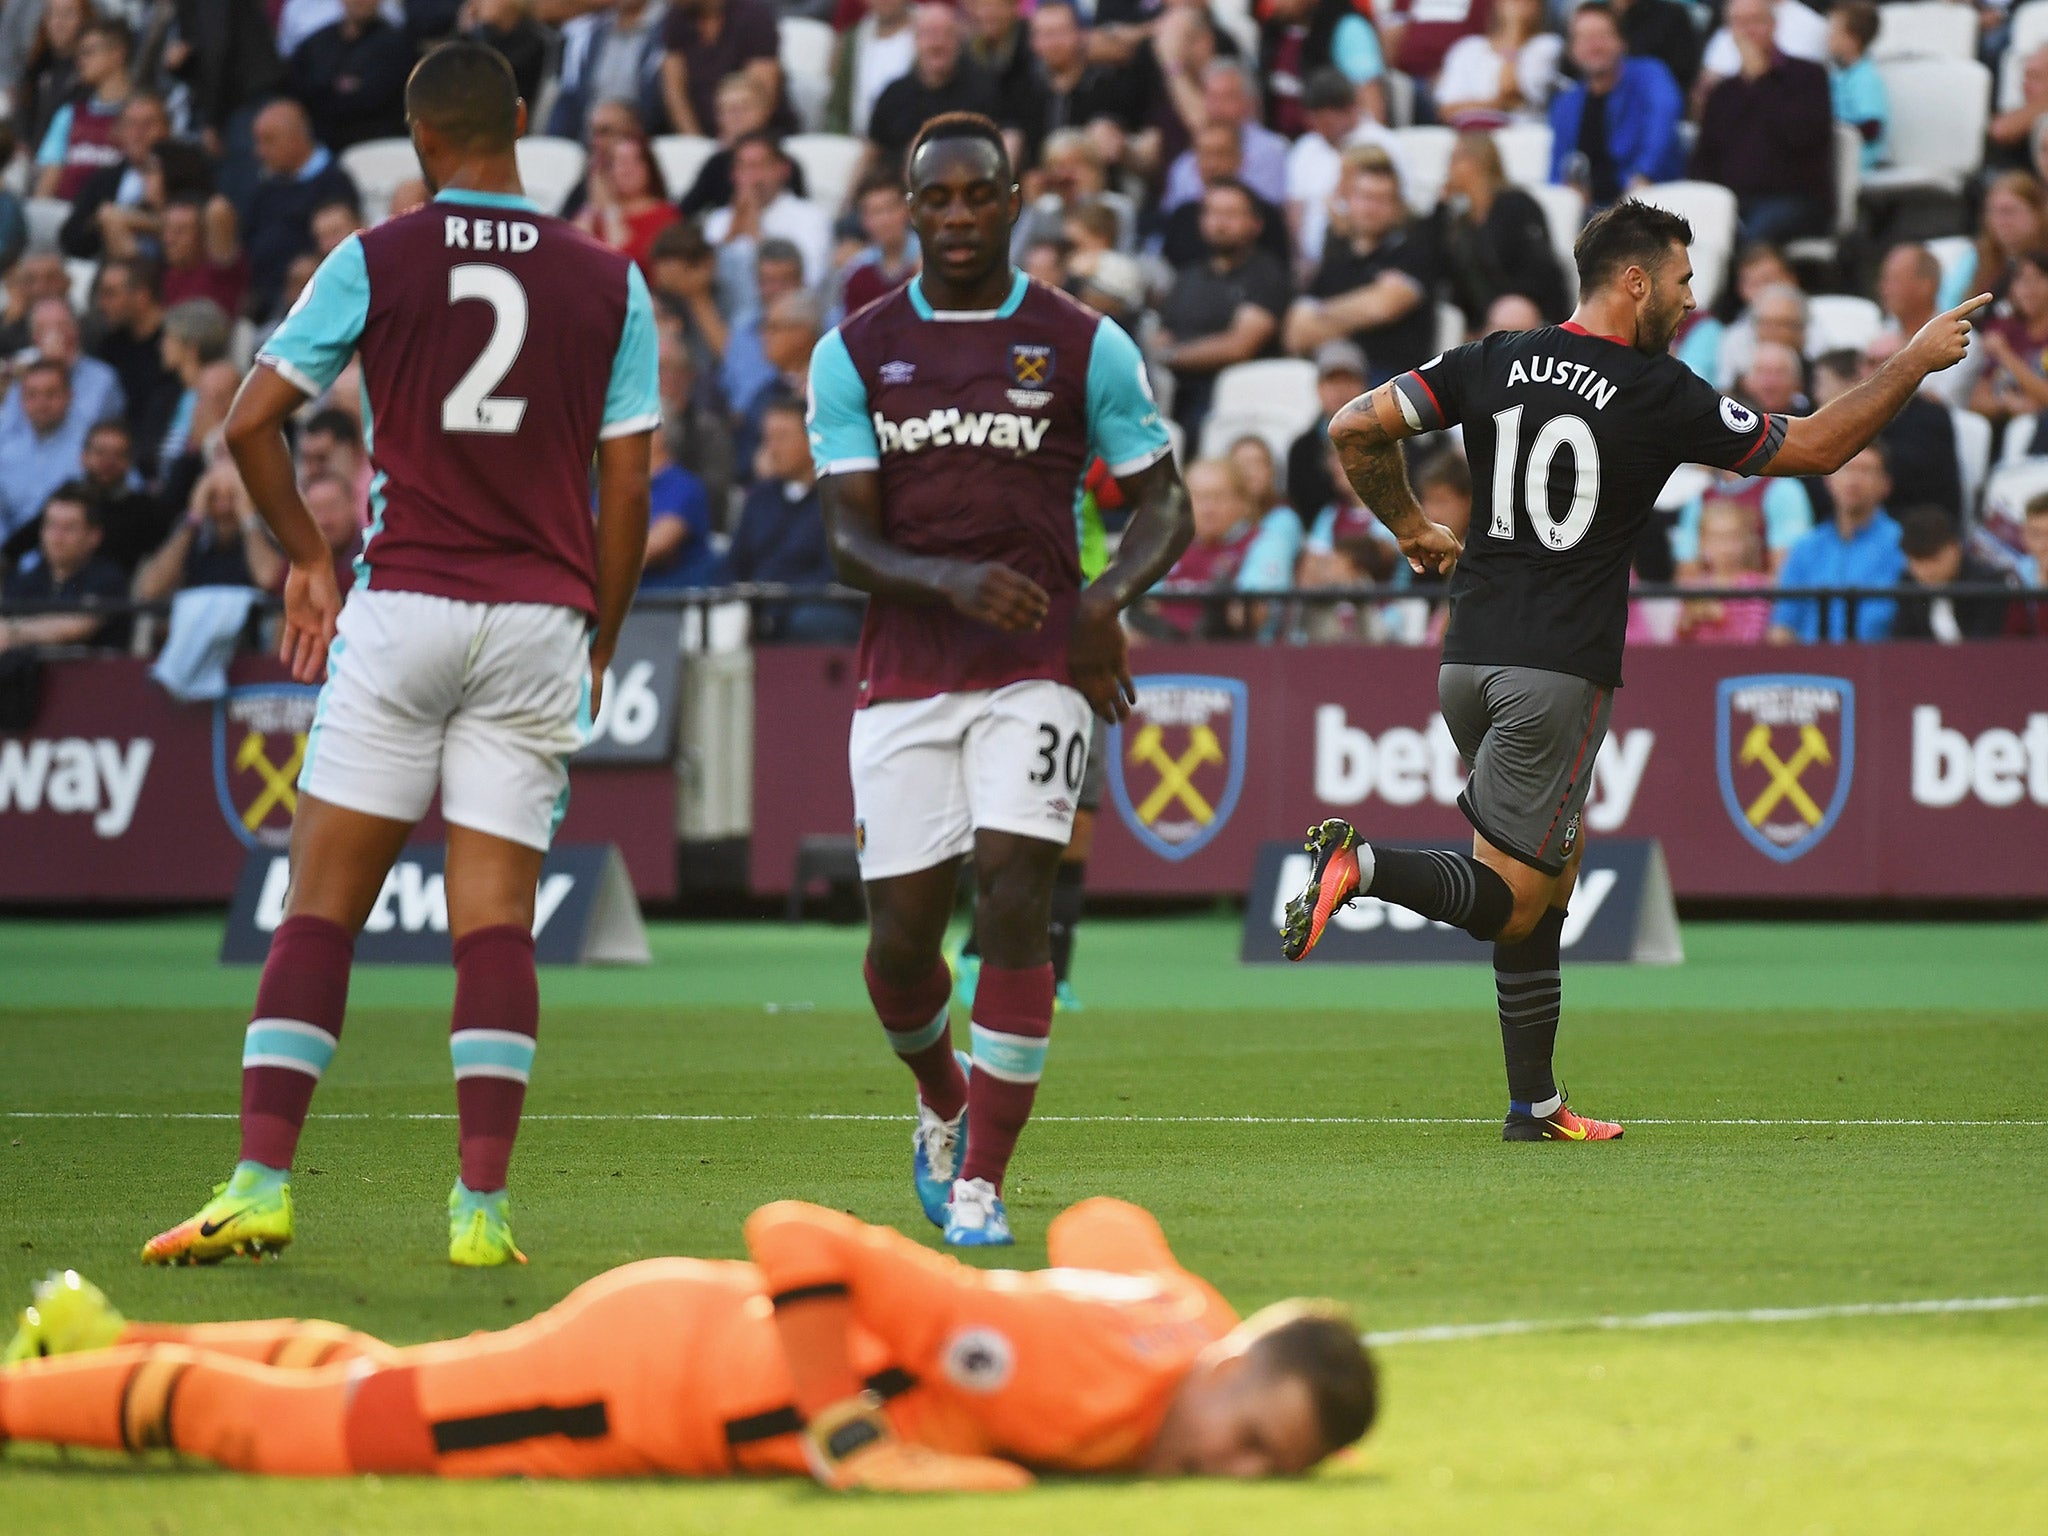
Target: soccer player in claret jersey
951, 422
500, 349
1572, 430
845, 1350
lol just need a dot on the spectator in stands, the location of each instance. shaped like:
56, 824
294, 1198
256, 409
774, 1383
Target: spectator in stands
780, 536
50, 73
1225, 523
941, 79
1775, 380
1511, 312
683, 278
1503, 76
65, 568
890, 258
1219, 158
299, 176
226, 57
2011, 133
1781, 513
1417, 37
1920, 441
778, 271
1115, 287
679, 548
627, 202
298, 20
1228, 99
1493, 238
1301, 38
203, 256
1176, 53
703, 41
764, 208
1223, 309
1275, 548
95, 388
1340, 378
790, 328
1730, 555
1346, 547
1936, 558
1854, 85
696, 436
2015, 377
37, 276
2030, 615
219, 542
333, 223
132, 522
999, 45
1665, 31
1798, 31
614, 55
508, 27
1617, 129
743, 109
13, 212
351, 77
196, 336
1778, 312
131, 314
1070, 175
606, 124
2015, 219
1375, 278
1068, 88
81, 139
1858, 547
331, 445
876, 52
117, 193
1315, 162
42, 440
1766, 134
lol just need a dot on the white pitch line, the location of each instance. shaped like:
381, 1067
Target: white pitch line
1445, 1333
656, 1116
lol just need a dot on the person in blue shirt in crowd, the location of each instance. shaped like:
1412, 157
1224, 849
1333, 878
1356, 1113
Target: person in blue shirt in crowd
1618, 128
781, 534
1858, 547
679, 549
1855, 86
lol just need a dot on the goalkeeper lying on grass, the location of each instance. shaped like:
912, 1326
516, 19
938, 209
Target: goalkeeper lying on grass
843, 1349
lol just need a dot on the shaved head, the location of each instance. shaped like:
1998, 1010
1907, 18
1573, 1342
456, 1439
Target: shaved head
465, 93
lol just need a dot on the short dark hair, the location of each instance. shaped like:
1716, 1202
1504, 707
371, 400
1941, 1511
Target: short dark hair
1327, 89
1317, 1343
1843, 362
1860, 17
961, 125
111, 424
1447, 469
681, 241
785, 401
1926, 531
465, 92
1596, 8
2038, 506
1630, 234
1232, 184
776, 248
762, 136
78, 494
337, 424
114, 30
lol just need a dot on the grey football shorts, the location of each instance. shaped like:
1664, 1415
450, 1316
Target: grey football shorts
1528, 738
1090, 797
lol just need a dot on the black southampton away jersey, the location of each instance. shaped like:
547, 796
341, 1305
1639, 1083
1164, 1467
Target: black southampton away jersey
1571, 436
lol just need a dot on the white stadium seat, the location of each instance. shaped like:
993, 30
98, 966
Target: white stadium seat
1564, 210
2028, 32
681, 156
1939, 111
1973, 454
80, 274
1688, 482
1711, 210
550, 168
1524, 153
1222, 428
806, 53
1274, 386
2019, 440
2012, 486
1450, 327
378, 167
1425, 156
46, 216
830, 162
1925, 29
1838, 321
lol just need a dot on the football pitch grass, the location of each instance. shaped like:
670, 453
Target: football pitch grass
1820, 1117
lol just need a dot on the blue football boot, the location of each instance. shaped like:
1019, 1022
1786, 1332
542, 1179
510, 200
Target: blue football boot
938, 1148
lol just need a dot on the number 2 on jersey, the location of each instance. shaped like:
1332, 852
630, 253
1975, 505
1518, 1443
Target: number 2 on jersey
470, 406
1558, 432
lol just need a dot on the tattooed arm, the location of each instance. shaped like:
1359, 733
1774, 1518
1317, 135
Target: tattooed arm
1368, 434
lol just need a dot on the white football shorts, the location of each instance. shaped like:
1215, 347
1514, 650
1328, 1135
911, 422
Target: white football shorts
930, 773
485, 700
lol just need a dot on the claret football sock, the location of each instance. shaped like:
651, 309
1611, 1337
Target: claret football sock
1012, 1027
292, 1036
917, 1022
1446, 887
491, 1043
1526, 982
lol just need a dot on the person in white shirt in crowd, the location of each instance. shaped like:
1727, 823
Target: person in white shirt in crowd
876, 52
1315, 163
1228, 97
1503, 77
763, 208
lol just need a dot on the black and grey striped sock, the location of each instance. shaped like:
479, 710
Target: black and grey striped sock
1527, 986
1448, 887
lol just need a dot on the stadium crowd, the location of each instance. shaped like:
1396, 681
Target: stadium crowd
1284, 205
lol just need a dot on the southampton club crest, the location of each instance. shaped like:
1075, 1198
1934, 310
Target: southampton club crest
1785, 747
259, 745
1176, 766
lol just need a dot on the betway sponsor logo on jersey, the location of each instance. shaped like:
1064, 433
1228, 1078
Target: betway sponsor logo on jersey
1586, 382
1404, 766
1999, 767
74, 776
964, 429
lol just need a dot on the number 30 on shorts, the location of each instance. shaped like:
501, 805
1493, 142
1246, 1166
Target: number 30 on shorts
1069, 763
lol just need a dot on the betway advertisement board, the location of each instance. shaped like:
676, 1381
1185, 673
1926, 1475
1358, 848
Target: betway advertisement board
119, 793
1902, 770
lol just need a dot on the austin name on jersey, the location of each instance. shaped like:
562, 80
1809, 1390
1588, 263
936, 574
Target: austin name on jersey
1576, 377
967, 429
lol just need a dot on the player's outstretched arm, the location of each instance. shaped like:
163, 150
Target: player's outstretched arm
312, 599
1822, 443
1367, 434
865, 559
1161, 528
623, 469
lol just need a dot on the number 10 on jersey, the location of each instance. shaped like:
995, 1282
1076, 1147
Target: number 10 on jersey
1557, 433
